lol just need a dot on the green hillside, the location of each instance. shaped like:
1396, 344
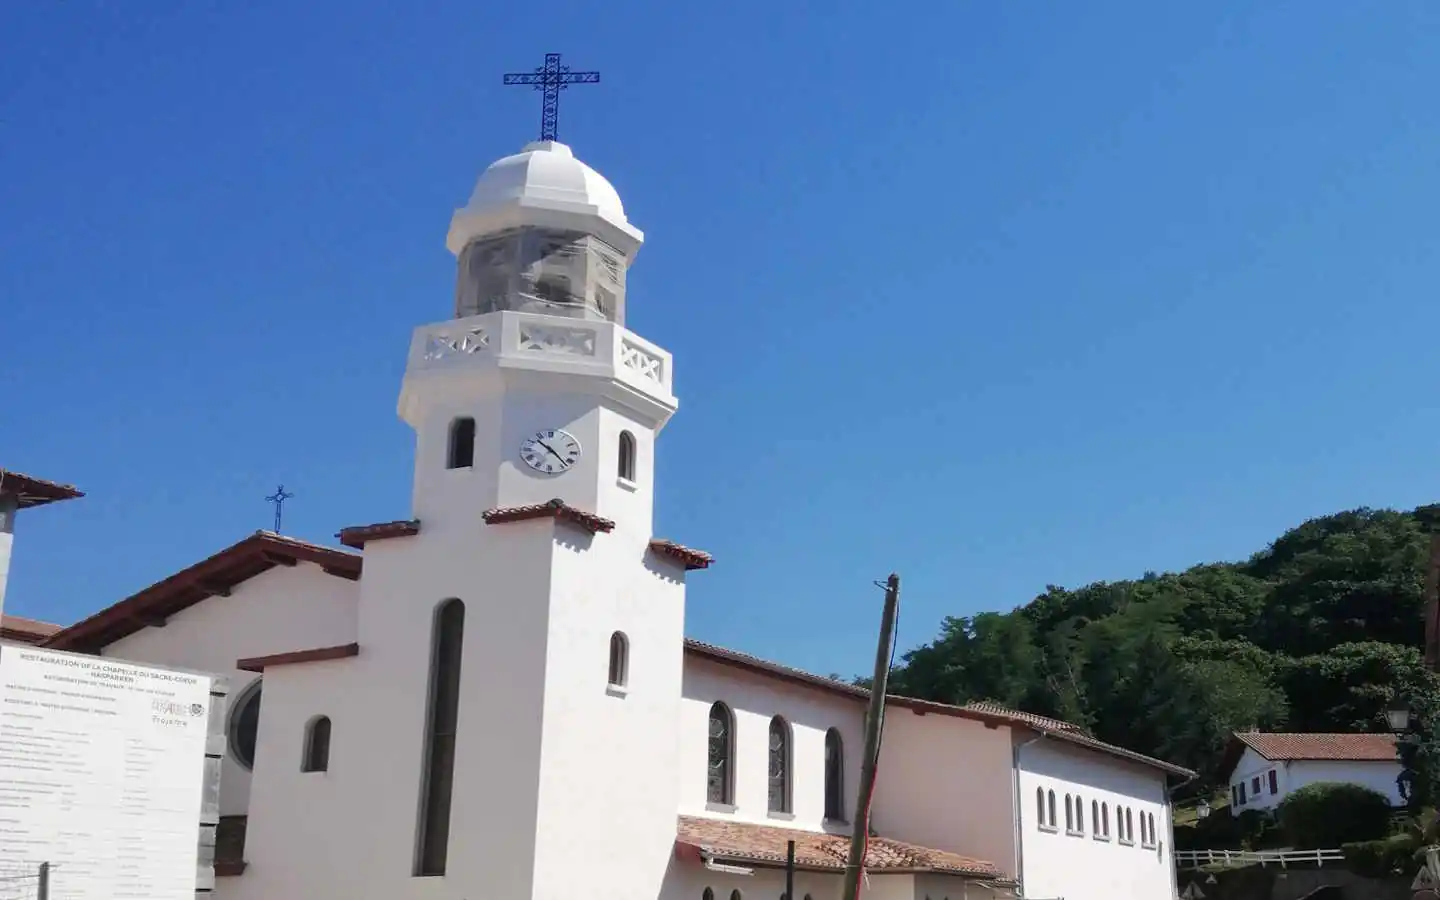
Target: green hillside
1318, 632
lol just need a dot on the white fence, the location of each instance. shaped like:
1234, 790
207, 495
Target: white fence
1194, 859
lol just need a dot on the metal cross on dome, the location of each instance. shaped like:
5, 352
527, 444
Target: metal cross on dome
551, 79
278, 498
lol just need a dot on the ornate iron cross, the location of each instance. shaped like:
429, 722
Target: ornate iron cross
551, 79
278, 498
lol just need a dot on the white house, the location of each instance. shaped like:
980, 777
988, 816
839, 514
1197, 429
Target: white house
494, 696
1262, 769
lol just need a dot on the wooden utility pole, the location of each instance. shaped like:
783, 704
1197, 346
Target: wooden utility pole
873, 721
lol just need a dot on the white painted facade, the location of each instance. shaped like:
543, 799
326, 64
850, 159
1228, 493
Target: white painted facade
564, 782
1267, 783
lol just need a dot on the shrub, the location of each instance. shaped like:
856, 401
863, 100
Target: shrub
1378, 859
1326, 815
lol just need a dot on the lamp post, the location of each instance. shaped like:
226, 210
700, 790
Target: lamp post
1202, 809
1398, 716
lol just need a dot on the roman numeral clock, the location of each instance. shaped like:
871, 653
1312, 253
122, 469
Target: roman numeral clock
550, 452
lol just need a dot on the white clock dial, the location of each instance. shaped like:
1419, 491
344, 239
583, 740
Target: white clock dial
551, 452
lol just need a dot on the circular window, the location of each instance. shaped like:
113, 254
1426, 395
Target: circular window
244, 721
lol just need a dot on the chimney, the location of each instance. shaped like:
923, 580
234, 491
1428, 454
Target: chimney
19, 492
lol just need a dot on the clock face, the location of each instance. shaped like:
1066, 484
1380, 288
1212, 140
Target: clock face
551, 452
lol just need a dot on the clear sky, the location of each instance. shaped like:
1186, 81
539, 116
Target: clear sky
994, 295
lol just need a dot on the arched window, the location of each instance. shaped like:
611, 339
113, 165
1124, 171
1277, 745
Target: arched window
1153, 839
1105, 817
1069, 814
441, 722
245, 725
1040, 806
834, 776
779, 765
316, 754
627, 456
1129, 825
720, 784
461, 454
1079, 816
707, 894
1095, 817
1050, 803
619, 659
735, 895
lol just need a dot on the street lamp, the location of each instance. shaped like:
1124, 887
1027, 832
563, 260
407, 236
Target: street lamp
1398, 717
1202, 809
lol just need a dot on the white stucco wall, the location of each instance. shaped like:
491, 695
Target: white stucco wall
946, 783
1293, 775
280, 610
688, 881
1080, 866
755, 700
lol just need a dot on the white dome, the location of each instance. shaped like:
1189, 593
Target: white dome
545, 171
543, 185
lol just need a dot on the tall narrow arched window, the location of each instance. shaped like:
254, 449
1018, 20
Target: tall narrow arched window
619, 659
707, 894
1040, 806
834, 776
1069, 813
1150, 817
461, 454
1105, 817
1129, 825
441, 721
1079, 815
720, 777
1095, 818
315, 756
779, 765
627, 456
1050, 803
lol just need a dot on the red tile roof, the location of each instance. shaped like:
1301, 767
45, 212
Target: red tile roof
217, 575
358, 535
764, 846
35, 491
25, 631
692, 558
555, 509
1330, 747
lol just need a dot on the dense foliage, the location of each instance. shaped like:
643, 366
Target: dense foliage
1319, 632
1328, 814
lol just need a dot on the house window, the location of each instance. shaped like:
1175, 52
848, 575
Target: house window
1040, 807
627, 456
779, 765
834, 776
441, 721
1129, 826
619, 659
1097, 829
1149, 820
1050, 807
720, 784
1069, 815
1079, 816
1234, 795
461, 454
1242, 793
1255, 786
1274, 782
245, 725
315, 756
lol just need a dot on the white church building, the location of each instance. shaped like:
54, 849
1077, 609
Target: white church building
494, 697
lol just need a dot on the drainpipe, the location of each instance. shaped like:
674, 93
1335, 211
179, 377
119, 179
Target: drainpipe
1020, 829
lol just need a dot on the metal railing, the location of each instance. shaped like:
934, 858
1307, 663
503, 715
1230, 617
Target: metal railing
1234, 858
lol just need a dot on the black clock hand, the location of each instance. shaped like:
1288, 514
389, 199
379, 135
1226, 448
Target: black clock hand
563, 463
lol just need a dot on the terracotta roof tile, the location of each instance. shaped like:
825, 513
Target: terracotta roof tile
692, 558
765, 845
556, 509
1026, 718
26, 631
1347, 747
358, 535
35, 491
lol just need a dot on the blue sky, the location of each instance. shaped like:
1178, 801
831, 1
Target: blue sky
992, 295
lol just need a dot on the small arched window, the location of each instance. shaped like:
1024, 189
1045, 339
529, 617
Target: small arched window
720, 777
735, 895
1129, 825
779, 765
627, 456
834, 776
619, 659
316, 754
1069, 814
461, 454
1040, 806
707, 894
1095, 816
1105, 817
1153, 839
1079, 816
1050, 803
